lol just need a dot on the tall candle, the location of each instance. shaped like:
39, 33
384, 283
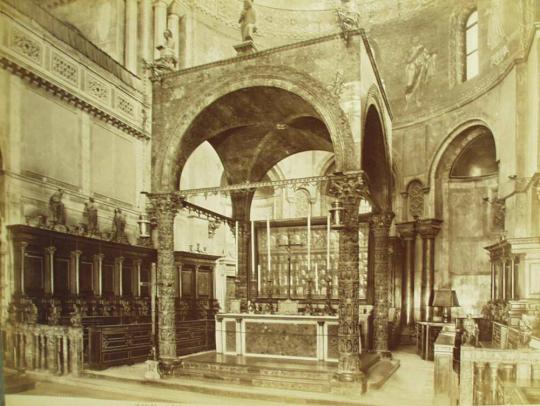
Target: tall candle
252, 248
316, 278
268, 241
236, 244
259, 279
328, 243
309, 242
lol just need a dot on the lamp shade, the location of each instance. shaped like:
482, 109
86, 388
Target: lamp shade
444, 298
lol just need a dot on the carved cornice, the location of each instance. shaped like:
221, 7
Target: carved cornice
67, 96
428, 228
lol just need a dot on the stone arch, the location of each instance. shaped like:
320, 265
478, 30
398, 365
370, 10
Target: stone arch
445, 154
376, 156
171, 155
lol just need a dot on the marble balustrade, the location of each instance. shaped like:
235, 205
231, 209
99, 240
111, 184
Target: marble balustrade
56, 349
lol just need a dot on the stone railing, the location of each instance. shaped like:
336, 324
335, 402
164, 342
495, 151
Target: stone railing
56, 349
488, 375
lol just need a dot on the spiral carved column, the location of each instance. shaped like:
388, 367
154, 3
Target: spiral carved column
164, 208
349, 190
380, 227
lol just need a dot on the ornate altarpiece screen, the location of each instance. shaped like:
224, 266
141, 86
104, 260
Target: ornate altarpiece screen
323, 262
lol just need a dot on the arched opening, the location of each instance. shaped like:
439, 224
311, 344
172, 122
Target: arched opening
466, 189
375, 161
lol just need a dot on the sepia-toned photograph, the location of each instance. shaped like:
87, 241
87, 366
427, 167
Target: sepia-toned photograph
269, 202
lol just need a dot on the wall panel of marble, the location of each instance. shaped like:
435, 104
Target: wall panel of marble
113, 165
50, 129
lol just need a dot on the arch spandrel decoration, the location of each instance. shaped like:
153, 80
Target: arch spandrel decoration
172, 152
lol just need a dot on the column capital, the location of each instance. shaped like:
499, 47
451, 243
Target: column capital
50, 250
76, 253
349, 185
160, 3
137, 261
119, 260
428, 228
162, 203
381, 221
99, 257
407, 231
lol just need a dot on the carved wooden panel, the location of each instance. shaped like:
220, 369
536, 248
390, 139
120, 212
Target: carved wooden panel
61, 282
33, 274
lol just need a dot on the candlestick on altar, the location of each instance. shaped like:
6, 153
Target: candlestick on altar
259, 279
236, 245
328, 243
268, 241
309, 242
316, 279
252, 248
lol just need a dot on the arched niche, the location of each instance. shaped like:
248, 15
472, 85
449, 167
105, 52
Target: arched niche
466, 187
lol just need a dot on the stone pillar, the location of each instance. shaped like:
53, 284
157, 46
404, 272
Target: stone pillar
173, 24
380, 227
160, 24
349, 189
407, 232
118, 275
428, 229
98, 274
22, 249
146, 30
131, 35
74, 272
164, 209
136, 278
49, 271
241, 204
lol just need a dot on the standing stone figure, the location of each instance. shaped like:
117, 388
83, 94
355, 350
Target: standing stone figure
119, 227
57, 211
91, 216
247, 21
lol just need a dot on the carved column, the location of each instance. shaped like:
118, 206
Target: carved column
49, 270
74, 272
160, 24
173, 24
131, 35
136, 278
407, 232
428, 229
380, 227
98, 274
22, 247
349, 190
118, 275
146, 30
241, 203
164, 208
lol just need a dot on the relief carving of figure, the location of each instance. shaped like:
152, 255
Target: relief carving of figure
496, 34
470, 333
90, 215
420, 66
247, 21
57, 211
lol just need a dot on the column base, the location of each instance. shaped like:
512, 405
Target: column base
152, 371
350, 384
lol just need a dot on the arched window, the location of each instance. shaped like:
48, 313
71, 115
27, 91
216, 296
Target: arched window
471, 46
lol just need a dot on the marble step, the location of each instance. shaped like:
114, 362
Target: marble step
369, 359
380, 372
259, 371
293, 384
17, 383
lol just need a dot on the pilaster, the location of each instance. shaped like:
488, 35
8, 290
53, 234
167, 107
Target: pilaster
428, 230
407, 232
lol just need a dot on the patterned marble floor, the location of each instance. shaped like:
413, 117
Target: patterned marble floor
412, 384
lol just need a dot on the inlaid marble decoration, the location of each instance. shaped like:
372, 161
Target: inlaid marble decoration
284, 339
333, 351
230, 336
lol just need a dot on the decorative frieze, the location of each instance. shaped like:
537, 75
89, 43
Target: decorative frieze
44, 64
64, 68
26, 46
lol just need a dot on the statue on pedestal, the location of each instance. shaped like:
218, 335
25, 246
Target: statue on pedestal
167, 60
90, 215
470, 331
247, 21
57, 211
119, 227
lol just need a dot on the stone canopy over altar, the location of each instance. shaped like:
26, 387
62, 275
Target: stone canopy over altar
318, 270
